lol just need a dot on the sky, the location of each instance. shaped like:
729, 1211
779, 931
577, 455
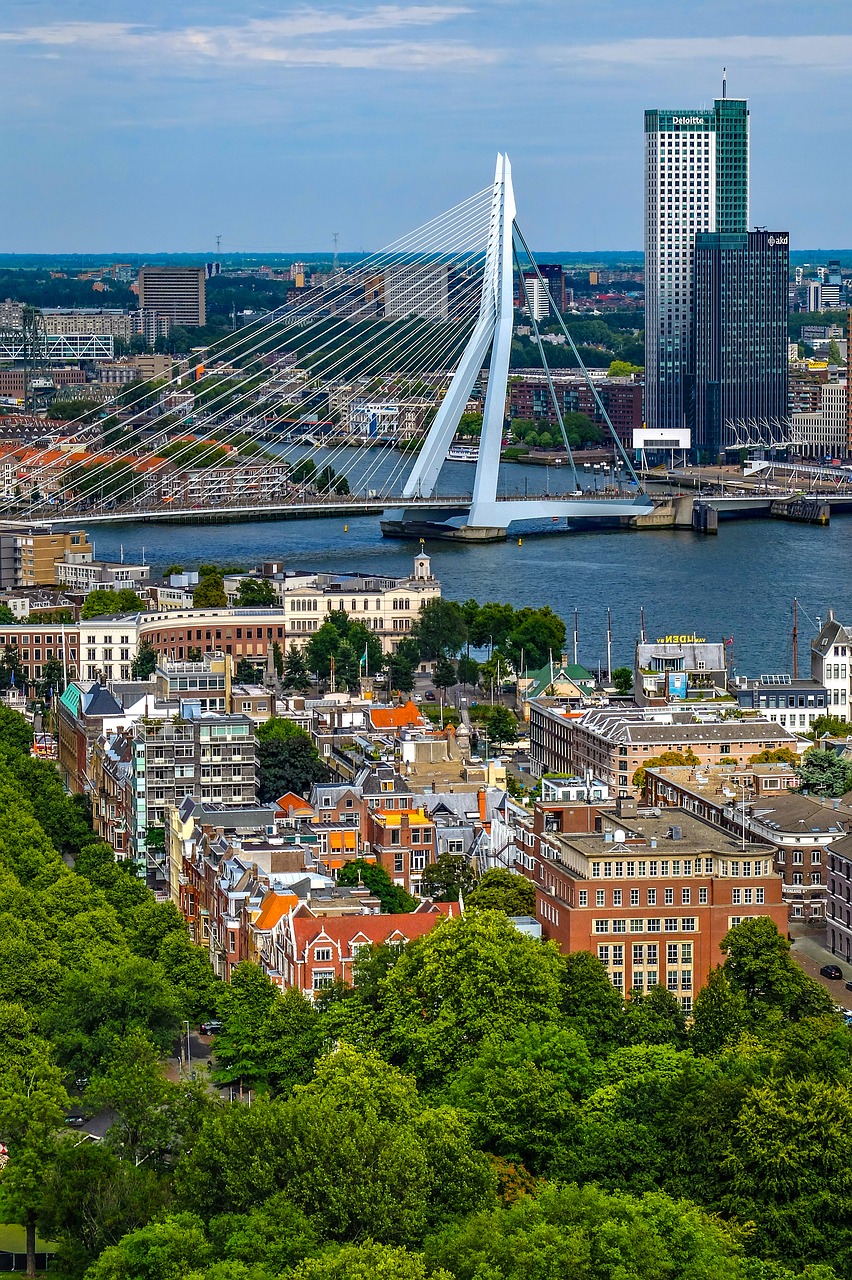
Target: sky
156, 127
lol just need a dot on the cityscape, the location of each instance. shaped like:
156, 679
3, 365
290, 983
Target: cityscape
389, 634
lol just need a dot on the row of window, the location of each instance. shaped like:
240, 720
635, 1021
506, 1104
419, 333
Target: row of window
670, 924
653, 868
646, 953
618, 896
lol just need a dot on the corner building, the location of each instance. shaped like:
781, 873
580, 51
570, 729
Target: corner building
696, 180
651, 897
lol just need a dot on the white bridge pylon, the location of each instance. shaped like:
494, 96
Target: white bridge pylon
493, 331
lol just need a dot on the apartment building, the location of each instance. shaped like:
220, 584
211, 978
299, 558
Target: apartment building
39, 643
651, 897
831, 665
757, 803
386, 605
28, 556
88, 320
174, 292
839, 924
611, 743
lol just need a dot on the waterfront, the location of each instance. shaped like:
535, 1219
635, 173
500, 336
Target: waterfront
740, 583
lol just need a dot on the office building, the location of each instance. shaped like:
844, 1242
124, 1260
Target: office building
696, 180
175, 292
736, 387
28, 556
417, 290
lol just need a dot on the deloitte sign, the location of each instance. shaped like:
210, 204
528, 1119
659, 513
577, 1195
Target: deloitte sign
690, 121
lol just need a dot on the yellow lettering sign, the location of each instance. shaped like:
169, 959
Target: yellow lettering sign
693, 639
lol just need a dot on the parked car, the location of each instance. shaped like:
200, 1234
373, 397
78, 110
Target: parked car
210, 1028
831, 971
430, 695
75, 1120
849, 986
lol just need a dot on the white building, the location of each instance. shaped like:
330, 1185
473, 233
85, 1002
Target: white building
420, 289
825, 432
831, 664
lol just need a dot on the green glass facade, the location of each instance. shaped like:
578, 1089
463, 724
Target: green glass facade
731, 120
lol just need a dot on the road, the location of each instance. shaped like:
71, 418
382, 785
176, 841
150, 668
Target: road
811, 953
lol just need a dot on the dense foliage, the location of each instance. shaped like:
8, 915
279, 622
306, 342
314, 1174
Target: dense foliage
475, 1107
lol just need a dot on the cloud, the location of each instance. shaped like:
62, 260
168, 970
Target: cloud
309, 37
824, 52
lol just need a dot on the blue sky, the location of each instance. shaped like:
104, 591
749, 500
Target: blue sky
155, 126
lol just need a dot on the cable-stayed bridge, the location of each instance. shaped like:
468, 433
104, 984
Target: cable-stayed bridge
347, 400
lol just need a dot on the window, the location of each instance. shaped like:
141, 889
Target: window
671, 924
671, 953
671, 980
323, 978
686, 980
322, 953
638, 953
686, 953
652, 897
583, 898
603, 955
619, 926
616, 897
702, 897
687, 924
684, 897
651, 953
653, 926
637, 926
669, 897
600, 898
652, 977
618, 955
634, 897
601, 926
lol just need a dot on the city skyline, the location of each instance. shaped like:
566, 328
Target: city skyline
368, 121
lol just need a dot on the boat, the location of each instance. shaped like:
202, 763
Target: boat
463, 453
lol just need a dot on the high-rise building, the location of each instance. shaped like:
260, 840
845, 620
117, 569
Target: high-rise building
696, 180
736, 387
176, 292
417, 289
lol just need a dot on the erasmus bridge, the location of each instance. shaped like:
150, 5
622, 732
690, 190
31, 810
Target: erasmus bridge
420, 325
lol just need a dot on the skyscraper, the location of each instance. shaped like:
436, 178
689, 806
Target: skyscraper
174, 292
736, 388
696, 180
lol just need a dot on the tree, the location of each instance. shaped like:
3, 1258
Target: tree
444, 676
622, 678
32, 1101
145, 662
535, 635
758, 965
288, 760
467, 670
448, 879
246, 671
824, 773
172, 569
295, 673
255, 591
210, 592
671, 758
591, 1004
506, 891
777, 755
16, 732
490, 624
7, 617
169, 1249
440, 628
393, 897
623, 369
400, 673
834, 356
500, 723
470, 978
368, 1261
103, 602
834, 726
719, 1014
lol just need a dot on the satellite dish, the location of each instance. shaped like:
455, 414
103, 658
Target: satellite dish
620, 837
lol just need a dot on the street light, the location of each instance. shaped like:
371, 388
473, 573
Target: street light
188, 1049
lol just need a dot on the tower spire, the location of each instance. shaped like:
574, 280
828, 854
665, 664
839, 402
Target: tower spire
724, 82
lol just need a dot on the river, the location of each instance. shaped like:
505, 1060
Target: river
739, 584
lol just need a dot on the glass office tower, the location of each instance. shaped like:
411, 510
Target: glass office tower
696, 181
736, 390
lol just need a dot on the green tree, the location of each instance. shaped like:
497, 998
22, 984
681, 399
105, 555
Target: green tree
467, 670
7, 617
623, 369
295, 673
103, 602
246, 672
287, 759
32, 1101
16, 732
622, 678
448, 879
719, 1014
490, 624
255, 591
468, 979
400, 673
278, 659
500, 723
368, 1261
506, 891
393, 897
824, 773
535, 635
591, 1005
169, 1249
145, 662
777, 755
210, 592
444, 676
759, 966
172, 569
440, 628
834, 356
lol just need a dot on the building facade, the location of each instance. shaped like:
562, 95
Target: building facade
174, 292
696, 180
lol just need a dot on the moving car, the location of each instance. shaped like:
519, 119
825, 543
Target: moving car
210, 1028
831, 971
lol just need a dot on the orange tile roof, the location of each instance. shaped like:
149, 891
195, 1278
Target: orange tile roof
291, 803
396, 717
275, 906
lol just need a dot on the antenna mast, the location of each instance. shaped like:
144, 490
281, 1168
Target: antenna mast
795, 638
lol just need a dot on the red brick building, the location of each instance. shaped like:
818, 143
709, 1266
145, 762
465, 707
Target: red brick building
651, 897
318, 951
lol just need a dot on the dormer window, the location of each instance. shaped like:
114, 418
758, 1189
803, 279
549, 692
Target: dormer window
322, 954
